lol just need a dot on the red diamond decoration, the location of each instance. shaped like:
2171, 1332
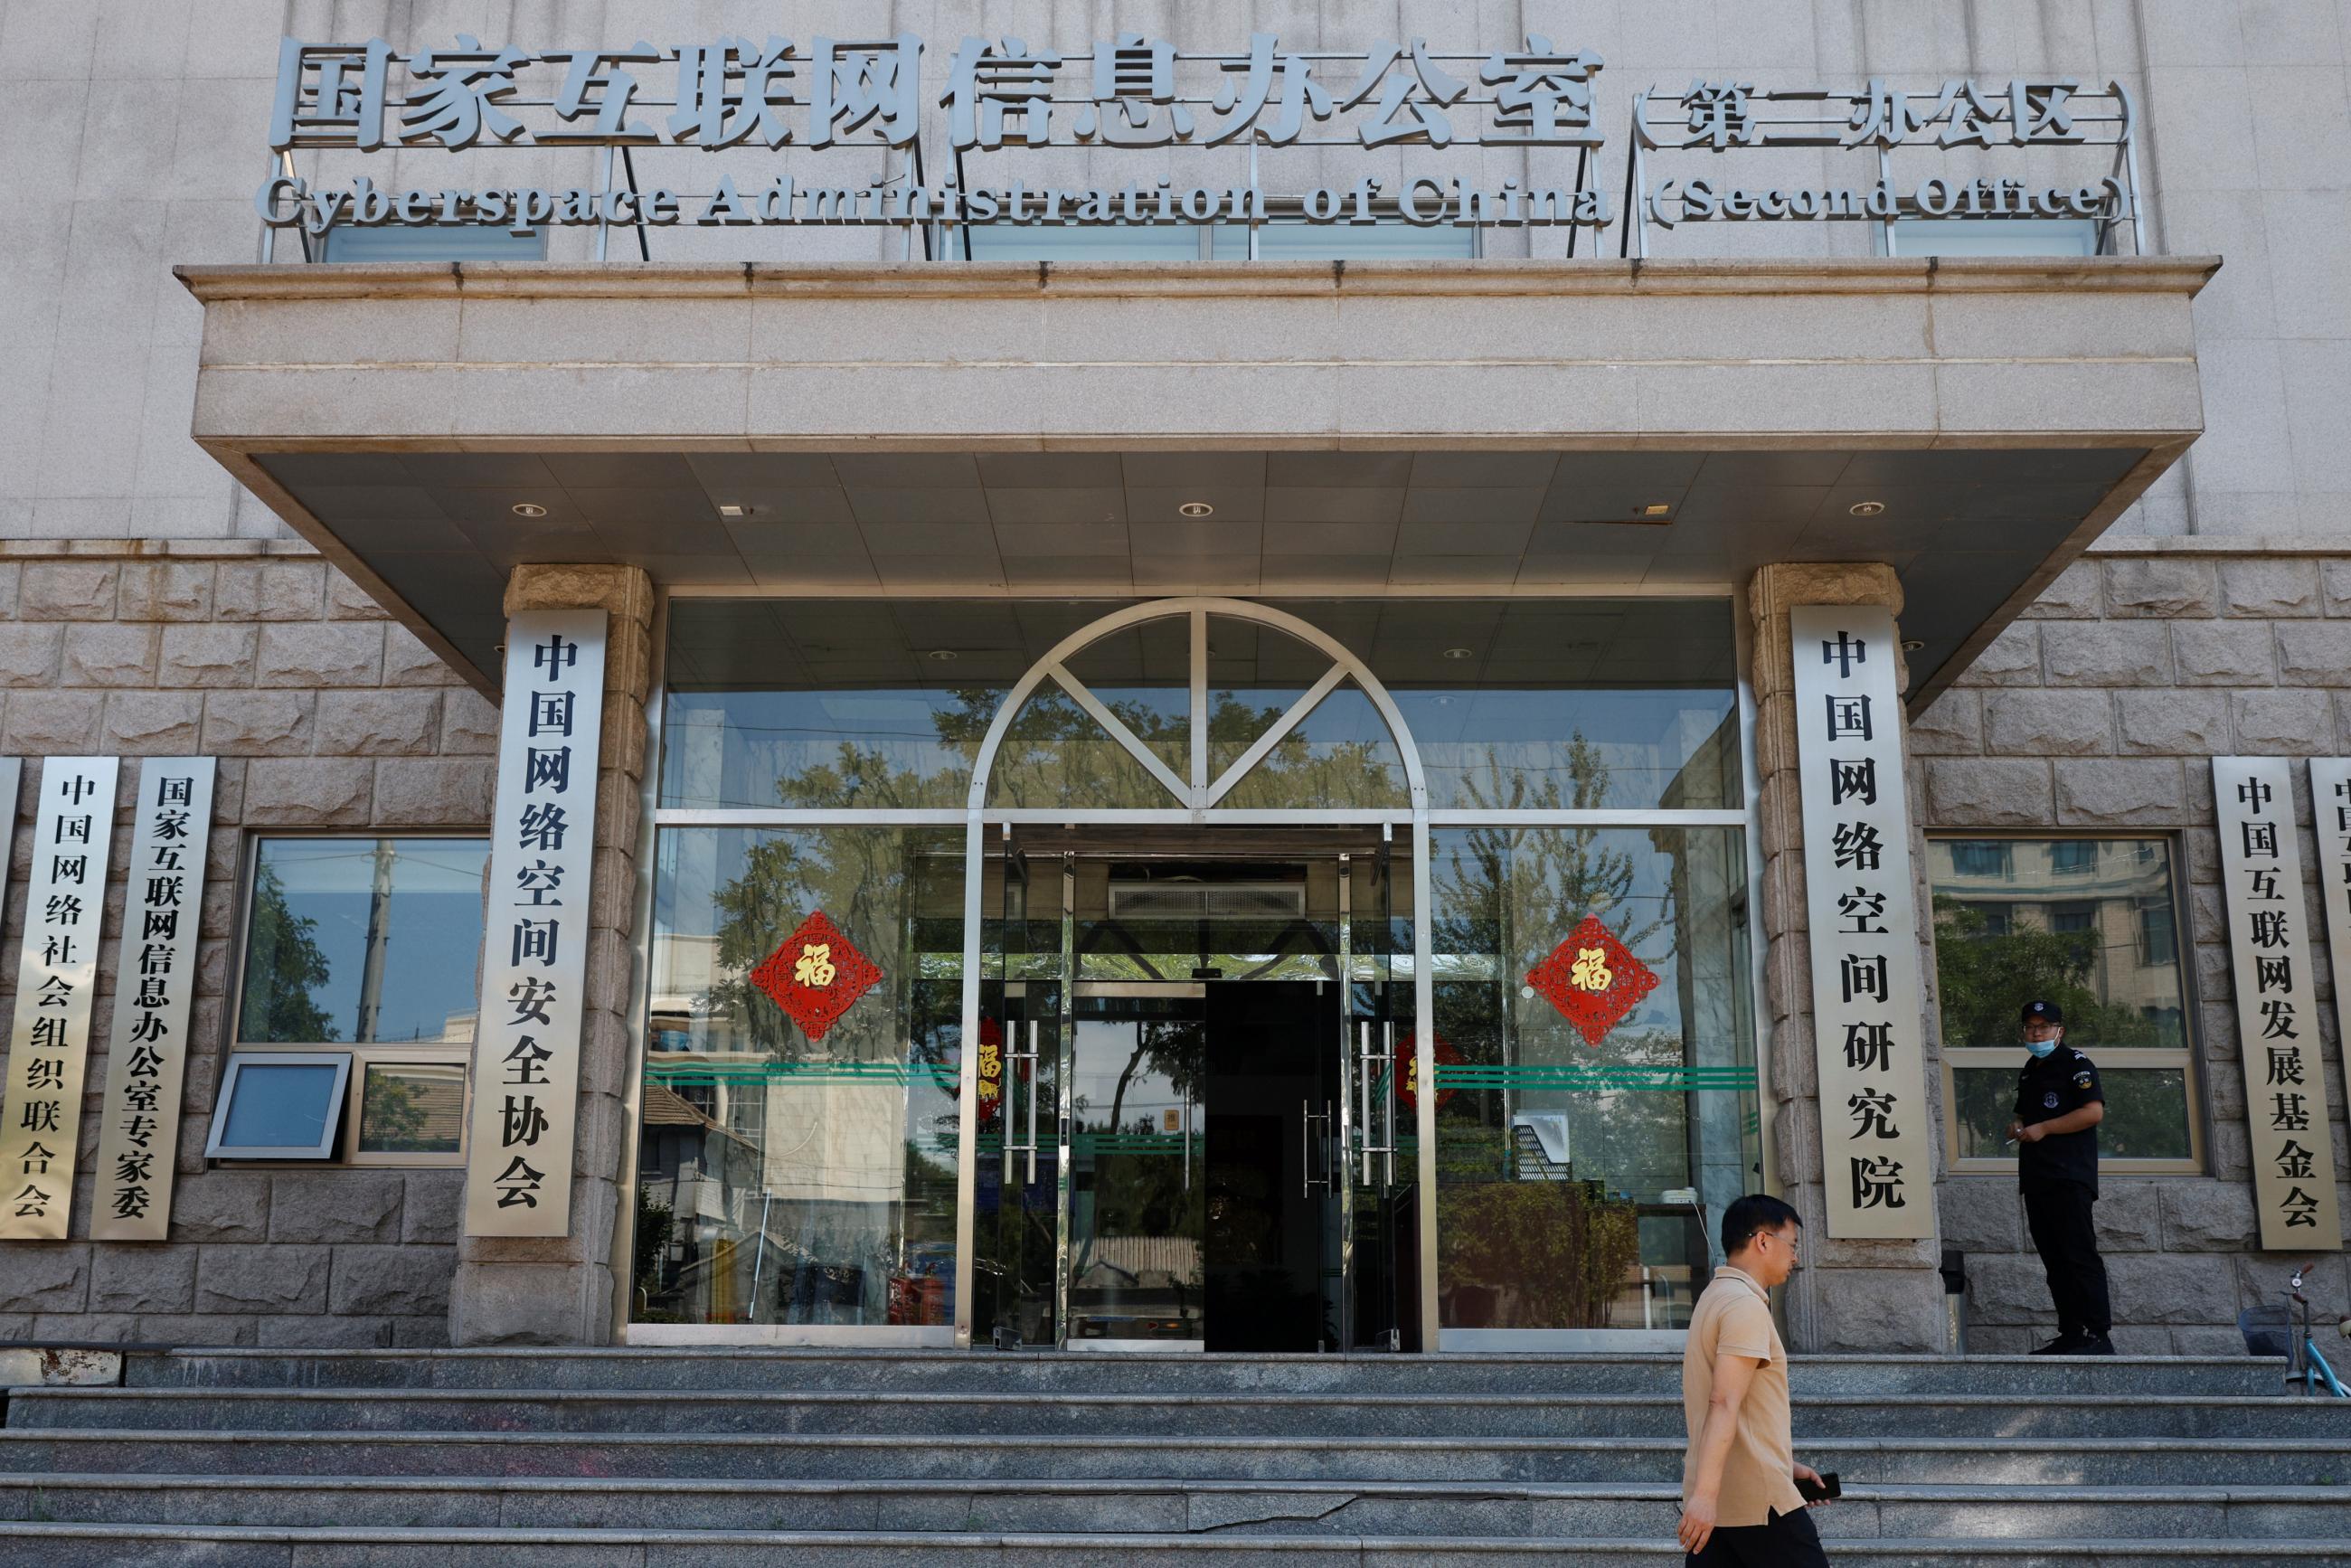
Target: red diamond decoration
1593, 979
816, 976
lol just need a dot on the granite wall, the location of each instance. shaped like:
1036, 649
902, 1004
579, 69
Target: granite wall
324, 715
2099, 710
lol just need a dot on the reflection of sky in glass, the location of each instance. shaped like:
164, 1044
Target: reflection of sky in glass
279, 1106
1478, 745
434, 936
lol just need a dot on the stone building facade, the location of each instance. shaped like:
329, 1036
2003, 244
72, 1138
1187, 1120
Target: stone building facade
314, 589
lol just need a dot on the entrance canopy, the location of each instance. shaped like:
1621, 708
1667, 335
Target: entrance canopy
1407, 429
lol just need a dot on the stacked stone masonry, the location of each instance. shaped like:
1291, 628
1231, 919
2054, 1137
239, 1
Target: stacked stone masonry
324, 715
2099, 710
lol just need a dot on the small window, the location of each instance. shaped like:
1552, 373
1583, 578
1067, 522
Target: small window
367, 951
279, 1106
1979, 857
2073, 859
2092, 925
411, 1108
1996, 236
462, 242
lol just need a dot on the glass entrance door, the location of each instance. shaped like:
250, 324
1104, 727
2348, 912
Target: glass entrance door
1195, 1143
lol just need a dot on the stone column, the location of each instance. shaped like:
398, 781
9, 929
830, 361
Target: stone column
558, 1290
1850, 1295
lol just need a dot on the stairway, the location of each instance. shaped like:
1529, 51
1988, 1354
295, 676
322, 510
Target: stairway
650, 1458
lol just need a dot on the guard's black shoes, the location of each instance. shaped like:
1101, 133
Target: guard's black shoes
2093, 1344
2065, 1345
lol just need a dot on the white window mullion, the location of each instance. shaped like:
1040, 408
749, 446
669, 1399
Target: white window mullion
1116, 729
1265, 742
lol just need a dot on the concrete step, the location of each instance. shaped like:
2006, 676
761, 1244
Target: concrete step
2099, 1461
1050, 1373
1154, 1414
214, 1546
1446, 1509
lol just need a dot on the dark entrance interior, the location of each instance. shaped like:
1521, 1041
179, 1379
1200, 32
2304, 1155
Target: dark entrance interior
1274, 1166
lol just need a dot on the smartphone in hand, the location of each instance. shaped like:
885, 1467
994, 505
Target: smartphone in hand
1826, 1489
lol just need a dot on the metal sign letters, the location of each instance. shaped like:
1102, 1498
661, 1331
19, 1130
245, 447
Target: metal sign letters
57, 972
821, 95
2277, 1013
2036, 113
1866, 1019
941, 122
154, 981
534, 963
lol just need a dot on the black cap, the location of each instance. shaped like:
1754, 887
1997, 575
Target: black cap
2041, 1012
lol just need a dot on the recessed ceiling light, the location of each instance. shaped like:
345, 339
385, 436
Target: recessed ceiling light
528, 509
1654, 509
1196, 508
725, 510
1866, 508
1457, 653
944, 655
1911, 645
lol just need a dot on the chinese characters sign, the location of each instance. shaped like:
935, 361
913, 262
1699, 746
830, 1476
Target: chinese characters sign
48, 1043
154, 980
1863, 928
2330, 796
820, 96
2269, 957
1129, 92
1593, 979
2024, 113
534, 960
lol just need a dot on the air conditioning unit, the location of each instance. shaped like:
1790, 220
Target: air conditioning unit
1143, 902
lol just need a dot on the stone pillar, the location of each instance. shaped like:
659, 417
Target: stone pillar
1850, 1295
558, 1290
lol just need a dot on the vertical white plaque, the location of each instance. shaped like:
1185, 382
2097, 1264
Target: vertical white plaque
2330, 801
534, 963
1876, 1155
48, 1040
154, 981
2270, 957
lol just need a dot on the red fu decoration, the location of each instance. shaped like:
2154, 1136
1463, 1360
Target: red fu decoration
1593, 979
816, 976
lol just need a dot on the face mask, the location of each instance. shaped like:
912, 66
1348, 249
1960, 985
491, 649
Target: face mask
2040, 1047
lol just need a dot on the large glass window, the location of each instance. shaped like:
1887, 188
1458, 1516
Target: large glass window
818, 755
374, 945
2091, 924
1580, 1178
793, 1168
1558, 704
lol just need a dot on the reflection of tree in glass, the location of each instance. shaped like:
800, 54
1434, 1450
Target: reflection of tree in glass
1510, 893
1536, 880
393, 1113
1987, 977
284, 963
1144, 1192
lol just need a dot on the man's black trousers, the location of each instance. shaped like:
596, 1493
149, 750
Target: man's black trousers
2058, 1214
1786, 1540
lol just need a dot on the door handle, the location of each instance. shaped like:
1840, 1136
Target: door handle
1307, 1116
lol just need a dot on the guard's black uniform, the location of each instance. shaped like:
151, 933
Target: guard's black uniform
2059, 1175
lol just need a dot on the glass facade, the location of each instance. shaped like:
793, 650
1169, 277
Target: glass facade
790, 1172
1204, 935
1580, 1174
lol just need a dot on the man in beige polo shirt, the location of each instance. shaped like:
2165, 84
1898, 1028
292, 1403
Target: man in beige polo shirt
1741, 1508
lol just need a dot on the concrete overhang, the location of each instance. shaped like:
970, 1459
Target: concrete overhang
1420, 428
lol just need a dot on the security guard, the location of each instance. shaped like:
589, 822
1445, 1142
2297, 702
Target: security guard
2058, 1108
